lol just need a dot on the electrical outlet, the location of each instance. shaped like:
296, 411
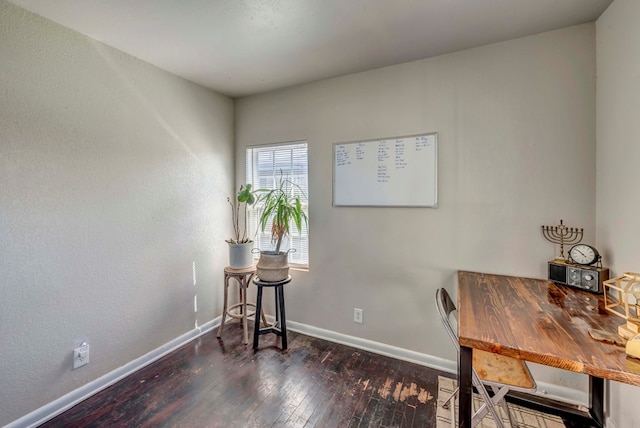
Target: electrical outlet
357, 315
81, 355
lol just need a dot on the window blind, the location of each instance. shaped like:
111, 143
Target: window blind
265, 165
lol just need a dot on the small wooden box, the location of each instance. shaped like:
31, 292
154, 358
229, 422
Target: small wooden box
635, 328
625, 332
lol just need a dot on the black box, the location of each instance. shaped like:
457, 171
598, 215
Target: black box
587, 278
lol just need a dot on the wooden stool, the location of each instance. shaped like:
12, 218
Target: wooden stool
280, 326
242, 276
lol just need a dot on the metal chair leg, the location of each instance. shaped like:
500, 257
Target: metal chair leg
446, 403
505, 407
488, 405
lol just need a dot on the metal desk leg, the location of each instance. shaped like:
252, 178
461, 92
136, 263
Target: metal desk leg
596, 399
465, 360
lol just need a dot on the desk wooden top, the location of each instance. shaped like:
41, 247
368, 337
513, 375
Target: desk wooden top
539, 321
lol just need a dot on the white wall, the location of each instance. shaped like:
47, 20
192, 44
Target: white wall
618, 151
113, 179
516, 135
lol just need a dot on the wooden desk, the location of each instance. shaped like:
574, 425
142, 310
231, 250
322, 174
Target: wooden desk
538, 321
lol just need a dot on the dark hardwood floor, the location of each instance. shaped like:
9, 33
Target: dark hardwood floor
214, 382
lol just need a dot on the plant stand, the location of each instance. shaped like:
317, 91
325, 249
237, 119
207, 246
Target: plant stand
279, 327
239, 310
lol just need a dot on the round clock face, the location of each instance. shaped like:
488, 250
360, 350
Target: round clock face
583, 254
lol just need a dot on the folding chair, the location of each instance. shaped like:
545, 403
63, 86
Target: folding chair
499, 372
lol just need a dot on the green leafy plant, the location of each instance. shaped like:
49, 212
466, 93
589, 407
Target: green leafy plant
283, 208
244, 197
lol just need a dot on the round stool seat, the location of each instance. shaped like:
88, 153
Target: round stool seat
261, 283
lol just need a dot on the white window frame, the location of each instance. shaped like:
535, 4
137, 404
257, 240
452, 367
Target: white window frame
263, 166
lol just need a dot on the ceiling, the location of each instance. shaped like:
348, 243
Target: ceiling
242, 47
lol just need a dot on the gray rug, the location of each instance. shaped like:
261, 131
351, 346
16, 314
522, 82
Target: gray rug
525, 418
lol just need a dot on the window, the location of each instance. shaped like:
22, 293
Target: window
264, 166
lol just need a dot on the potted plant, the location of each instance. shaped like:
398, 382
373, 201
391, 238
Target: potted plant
240, 245
281, 208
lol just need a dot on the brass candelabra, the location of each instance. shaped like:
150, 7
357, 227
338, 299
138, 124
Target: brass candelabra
562, 235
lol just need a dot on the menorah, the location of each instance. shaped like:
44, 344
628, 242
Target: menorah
562, 234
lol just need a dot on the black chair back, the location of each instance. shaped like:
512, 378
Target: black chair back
447, 310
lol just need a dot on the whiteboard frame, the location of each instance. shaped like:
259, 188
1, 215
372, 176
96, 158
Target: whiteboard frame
372, 140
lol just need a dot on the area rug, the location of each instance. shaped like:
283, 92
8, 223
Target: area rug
524, 417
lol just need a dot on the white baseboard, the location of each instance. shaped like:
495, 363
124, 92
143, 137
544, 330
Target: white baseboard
53, 409
375, 347
49, 411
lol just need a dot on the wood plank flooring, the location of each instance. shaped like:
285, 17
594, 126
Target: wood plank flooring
214, 382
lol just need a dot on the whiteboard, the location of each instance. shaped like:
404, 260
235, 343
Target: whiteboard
396, 172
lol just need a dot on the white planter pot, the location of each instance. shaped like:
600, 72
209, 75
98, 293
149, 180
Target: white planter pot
240, 255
